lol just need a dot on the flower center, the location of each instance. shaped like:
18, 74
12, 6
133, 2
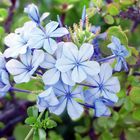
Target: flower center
68, 95
101, 86
29, 68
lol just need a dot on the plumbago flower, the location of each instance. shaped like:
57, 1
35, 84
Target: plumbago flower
53, 75
45, 37
78, 61
18, 41
23, 70
104, 84
66, 96
120, 52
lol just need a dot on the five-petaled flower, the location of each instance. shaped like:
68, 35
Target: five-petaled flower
78, 61
104, 84
120, 52
45, 37
23, 70
53, 75
66, 96
18, 41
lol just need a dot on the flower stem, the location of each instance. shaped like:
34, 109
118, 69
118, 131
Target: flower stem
86, 85
32, 129
107, 58
29, 134
20, 90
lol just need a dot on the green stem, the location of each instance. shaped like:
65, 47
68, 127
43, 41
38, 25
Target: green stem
32, 130
29, 134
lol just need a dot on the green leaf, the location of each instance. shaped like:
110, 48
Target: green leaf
117, 31
98, 3
136, 114
106, 136
3, 14
1, 30
113, 9
51, 124
42, 134
32, 111
54, 136
127, 2
80, 129
128, 104
36, 135
135, 95
102, 122
21, 131
1, 125
132, 134
30, 120
109, 19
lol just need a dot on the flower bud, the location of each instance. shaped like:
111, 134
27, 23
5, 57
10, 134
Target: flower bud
33, 13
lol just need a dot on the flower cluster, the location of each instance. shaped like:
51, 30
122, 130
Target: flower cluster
74, 76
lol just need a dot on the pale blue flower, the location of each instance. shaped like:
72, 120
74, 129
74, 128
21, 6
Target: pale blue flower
4, 83
18, 42
99, 104
78, 61
120, 52
67, 96
104, 84
33, 13
53, 75
45, 37
23, 70
46, 99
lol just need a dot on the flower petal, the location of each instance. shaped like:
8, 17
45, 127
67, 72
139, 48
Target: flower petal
113, 85
47, 98
15, 67
85, 52
15, 51
66, 78
101, 109
64, 65
91, 67
50, 45
49, 61
59, 32
37, 58
70, 51
58, 109
105, 72
50, 27
51, 76
26, 58
23, 77
74, 109
78, 75
110, 96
